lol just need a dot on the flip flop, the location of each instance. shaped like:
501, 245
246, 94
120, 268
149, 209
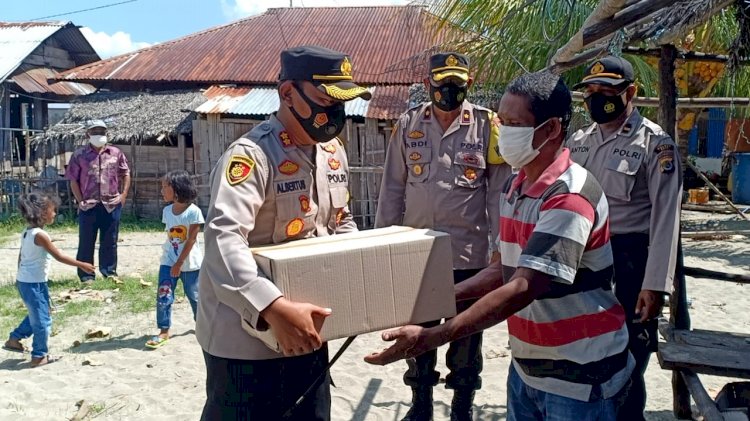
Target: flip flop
156, 342
9, 348
47, 361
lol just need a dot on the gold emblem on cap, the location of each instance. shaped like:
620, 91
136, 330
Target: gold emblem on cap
346, 67
597, 68
451, 61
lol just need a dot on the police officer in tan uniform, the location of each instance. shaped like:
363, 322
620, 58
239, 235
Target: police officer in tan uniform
635, 161
285, 180
443, 171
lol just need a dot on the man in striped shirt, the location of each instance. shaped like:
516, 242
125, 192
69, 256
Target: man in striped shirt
553, 282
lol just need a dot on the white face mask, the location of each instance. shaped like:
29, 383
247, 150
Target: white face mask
97, 140
515, 144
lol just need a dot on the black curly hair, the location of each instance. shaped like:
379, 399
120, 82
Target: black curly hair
182, 184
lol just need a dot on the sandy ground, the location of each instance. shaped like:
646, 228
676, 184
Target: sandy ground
168, 383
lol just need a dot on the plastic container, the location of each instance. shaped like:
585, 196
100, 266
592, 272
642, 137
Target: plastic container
741, 178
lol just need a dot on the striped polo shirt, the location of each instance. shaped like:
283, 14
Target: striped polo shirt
573, 337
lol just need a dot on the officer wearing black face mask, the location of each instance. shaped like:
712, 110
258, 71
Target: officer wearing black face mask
637, 165
443, 171
284, 180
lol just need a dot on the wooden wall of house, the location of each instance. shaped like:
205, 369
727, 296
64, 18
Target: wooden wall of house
147, 165
211, 137
366, 144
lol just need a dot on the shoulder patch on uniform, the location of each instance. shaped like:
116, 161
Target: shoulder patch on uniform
288, 167
415, 134
627, 128
465, 117
427, 114
493, 149
663, 148
665, 156
239, 169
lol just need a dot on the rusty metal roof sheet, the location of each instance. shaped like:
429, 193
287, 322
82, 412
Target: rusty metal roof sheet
20, 39
388, 45
387, 102
35, 81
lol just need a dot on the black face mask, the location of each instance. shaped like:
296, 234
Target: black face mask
604, 108
324, 123
448, 96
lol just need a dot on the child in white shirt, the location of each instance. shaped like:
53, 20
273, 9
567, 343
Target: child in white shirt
37, 250
180, 259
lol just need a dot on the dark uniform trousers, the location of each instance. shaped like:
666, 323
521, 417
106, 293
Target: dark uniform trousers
464, 357
630, 252
245, 390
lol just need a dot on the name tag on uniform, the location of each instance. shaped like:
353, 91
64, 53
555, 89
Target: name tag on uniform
291, 186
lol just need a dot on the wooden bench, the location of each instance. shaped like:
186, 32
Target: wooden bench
691, 352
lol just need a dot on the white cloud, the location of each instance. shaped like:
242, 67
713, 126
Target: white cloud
236, 9
107, 45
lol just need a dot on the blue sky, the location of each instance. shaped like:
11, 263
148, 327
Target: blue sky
126, 27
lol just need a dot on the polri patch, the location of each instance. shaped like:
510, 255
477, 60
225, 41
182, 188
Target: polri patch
294, 227
304, 203
239, 169
415, 134
288, 167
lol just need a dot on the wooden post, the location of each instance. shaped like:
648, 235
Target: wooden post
181, 151
678, 314
6, 136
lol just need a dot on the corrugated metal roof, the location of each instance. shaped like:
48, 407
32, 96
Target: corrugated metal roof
388, 45
385, 103
35, 81
389, 102
259, 101
19, 39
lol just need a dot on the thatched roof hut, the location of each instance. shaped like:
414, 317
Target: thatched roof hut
130, 115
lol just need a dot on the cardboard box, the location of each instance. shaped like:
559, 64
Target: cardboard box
372, 280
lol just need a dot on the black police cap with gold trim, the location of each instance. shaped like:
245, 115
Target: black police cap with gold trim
329, 70
443, 65
609, 71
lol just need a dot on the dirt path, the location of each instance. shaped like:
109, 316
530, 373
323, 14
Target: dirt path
138, 254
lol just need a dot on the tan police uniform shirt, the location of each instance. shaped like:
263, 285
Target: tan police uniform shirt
444, 181
264, 190
641, 175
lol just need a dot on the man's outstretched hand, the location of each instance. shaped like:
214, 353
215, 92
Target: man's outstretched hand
410, 342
